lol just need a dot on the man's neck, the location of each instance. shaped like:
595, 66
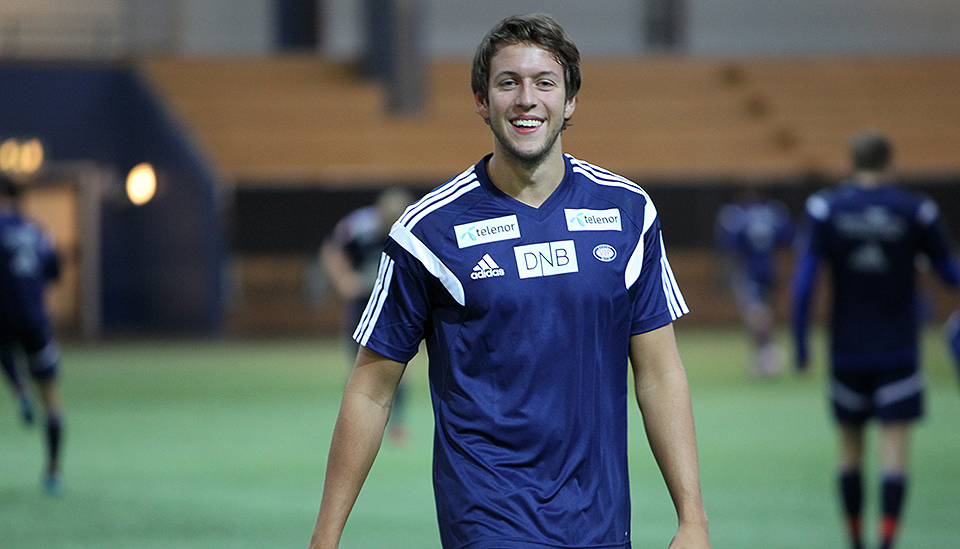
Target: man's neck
870, 179
531, 185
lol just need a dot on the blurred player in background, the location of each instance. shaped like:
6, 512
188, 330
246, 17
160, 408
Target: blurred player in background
533, 277
350, 258
870, 232
749, 234
28, 262
951, 330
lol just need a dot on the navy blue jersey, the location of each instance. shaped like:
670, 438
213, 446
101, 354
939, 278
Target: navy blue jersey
527, 315
870, 238
27, 263
752, 232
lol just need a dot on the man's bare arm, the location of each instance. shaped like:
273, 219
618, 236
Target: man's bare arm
663, 395
357, 436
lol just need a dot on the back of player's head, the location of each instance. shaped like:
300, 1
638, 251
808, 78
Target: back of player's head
537, 29
391, 202
870, 150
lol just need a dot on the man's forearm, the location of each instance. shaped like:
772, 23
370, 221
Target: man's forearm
357, 437
663, 395
668, 421
356, 441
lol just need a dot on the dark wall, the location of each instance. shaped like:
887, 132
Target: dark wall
161, 262
289, 220
295, 220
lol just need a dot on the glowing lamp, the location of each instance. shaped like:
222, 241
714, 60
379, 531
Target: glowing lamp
31, 156
141, 184
21, 157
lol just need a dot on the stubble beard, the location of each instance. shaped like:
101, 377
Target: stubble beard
527, 160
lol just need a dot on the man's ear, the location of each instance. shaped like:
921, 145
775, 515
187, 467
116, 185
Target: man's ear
569, 108
481, 103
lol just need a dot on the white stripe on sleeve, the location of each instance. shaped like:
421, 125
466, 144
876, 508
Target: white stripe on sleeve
678, 306
635, 263
377, 296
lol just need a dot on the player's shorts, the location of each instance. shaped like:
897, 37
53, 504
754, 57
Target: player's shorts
42, 350
888, 395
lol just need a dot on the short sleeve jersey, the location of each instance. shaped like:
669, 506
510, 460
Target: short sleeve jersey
527, 315
870, 238
27, 262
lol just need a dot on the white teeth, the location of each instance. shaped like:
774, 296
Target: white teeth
527, 123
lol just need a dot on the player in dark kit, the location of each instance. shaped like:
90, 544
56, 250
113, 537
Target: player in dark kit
952, 334
350, 257
535, 279
749, 233
869, 232
27, 263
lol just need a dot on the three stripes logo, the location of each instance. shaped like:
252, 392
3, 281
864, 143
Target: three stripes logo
486, 268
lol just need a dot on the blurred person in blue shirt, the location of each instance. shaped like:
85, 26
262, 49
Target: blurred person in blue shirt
749, 235
28, 262
870, 232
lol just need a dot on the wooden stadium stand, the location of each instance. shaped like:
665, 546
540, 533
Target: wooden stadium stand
300, 118
303, 120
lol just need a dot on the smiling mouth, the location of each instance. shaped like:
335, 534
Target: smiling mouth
526, 123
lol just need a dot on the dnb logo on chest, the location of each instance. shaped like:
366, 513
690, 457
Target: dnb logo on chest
546, 259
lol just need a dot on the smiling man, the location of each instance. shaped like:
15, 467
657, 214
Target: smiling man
537, 281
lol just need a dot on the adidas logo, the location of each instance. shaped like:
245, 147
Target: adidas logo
486, 268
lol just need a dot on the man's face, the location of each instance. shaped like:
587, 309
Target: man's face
526, 107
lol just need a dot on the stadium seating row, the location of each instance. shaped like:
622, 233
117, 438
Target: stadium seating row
305, 121
302, 118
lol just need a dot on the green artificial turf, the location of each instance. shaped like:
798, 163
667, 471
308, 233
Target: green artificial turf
222, 444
